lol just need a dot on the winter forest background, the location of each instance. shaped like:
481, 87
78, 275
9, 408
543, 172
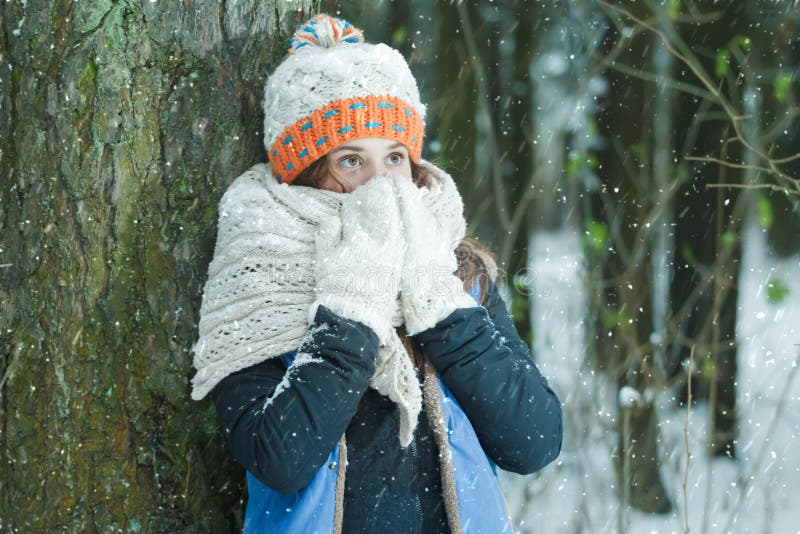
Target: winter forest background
635, 165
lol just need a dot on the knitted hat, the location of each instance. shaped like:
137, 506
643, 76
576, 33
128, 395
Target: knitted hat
334, 87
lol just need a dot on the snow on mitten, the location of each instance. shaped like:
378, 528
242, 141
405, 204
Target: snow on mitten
358, 261
429, 291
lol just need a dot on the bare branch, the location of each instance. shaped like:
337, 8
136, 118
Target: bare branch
717, 96
773, 187
781, 161
726, 163
655, 78
686, 442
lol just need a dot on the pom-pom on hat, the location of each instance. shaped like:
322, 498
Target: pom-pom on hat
334, 87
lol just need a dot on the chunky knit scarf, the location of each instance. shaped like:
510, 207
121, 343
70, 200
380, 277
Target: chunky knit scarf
261, 283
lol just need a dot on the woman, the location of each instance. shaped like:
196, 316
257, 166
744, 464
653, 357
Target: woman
359, 381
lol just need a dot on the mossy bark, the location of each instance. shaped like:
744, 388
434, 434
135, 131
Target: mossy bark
122, 123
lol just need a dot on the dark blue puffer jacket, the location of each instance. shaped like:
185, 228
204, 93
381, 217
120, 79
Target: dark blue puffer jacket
479, 357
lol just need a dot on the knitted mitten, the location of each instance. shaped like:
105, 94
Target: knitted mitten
429, 291
358, 260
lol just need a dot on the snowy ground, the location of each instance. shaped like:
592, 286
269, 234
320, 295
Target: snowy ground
760, 492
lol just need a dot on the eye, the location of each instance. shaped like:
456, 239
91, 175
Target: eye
350, 162
395, 158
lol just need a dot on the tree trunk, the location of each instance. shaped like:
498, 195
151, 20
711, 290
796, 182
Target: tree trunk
121, 125
707, 252
622, 289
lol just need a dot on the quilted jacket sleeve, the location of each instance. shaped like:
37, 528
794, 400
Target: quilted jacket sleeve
488, 368
280, 423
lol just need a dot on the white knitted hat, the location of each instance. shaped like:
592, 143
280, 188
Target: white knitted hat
334, 87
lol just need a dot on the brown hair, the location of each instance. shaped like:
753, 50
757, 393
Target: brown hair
475, 262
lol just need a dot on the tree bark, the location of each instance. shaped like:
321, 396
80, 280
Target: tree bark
122, 123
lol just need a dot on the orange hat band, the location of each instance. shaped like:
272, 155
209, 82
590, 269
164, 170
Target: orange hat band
312, 137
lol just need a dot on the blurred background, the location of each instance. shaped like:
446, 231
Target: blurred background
634, 166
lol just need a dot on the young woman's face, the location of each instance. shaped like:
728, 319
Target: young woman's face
353, 163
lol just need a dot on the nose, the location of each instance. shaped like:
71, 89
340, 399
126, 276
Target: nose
376, 168
371, 168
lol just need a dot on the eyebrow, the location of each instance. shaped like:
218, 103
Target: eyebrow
359, 149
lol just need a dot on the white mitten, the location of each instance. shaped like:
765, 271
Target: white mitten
358, 261
429, 289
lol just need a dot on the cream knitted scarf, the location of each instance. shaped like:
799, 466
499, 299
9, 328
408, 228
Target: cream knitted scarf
261, 283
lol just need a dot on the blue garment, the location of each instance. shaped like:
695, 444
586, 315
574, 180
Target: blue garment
310, 509
481, 505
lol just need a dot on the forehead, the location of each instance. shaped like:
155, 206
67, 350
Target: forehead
369, 144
